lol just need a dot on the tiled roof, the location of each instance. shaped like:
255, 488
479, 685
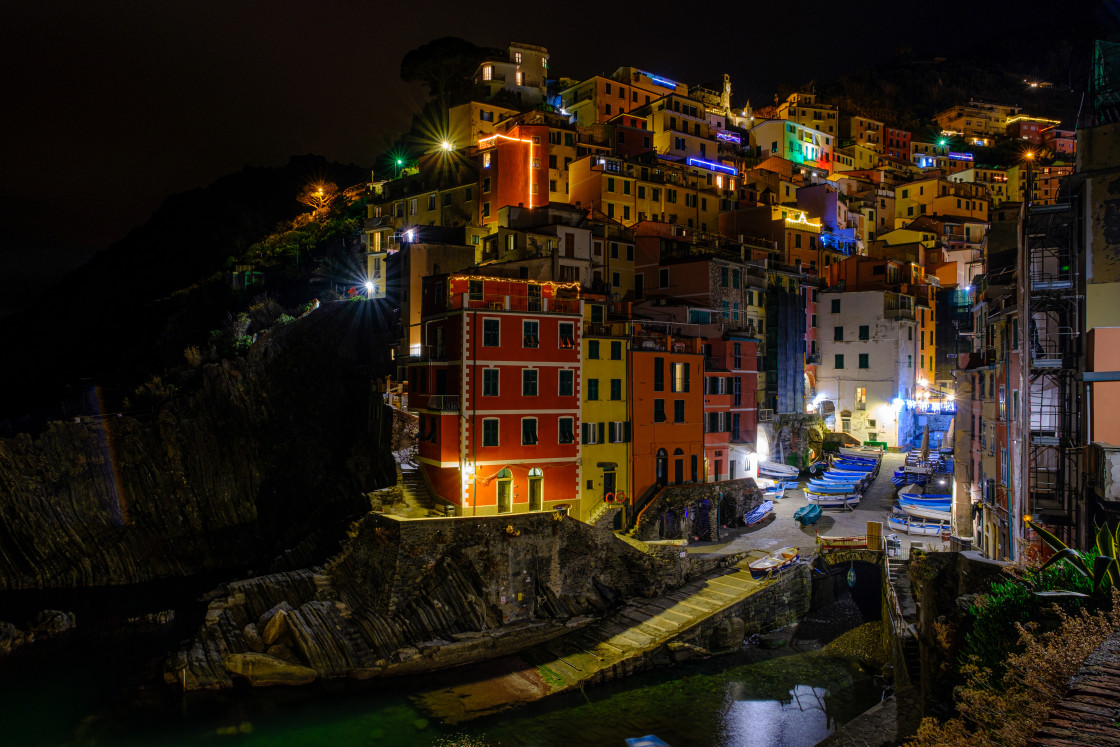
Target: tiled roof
1090, 712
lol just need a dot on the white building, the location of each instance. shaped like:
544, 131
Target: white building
868, 363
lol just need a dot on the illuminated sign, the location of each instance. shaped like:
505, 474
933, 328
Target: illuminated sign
961, 156
486, 142
661, 81
710, 166
729, 137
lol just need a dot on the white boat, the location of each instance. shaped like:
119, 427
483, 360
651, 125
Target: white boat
832, 500
910, 525
924, 512
861, 451
775, 561
776, 470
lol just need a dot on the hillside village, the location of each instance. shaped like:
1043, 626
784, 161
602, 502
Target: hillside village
611, 285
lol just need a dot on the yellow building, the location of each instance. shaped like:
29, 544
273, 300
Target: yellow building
605, 416
668, 192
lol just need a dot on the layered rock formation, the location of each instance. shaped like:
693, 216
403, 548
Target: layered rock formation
248, 460
407, 596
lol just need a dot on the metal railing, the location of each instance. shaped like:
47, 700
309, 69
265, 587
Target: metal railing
444, 402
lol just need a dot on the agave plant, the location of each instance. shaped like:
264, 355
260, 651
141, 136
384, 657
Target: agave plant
1104, 567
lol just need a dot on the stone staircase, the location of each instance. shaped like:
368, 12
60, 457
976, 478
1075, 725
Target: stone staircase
898, 574
602, 516
414, 489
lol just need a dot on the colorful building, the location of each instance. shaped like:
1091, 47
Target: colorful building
497, 390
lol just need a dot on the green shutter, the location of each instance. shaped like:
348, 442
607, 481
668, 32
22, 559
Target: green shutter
626, 432
602, 433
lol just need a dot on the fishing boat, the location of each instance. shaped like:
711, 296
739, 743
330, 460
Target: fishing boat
807, 515
775, 561
832, 500
817, 486
777, 471
858, 451
936, 512
915, 526
758, 513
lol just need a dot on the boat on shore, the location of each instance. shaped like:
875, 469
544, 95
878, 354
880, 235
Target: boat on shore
758, 513
776, 561
777, 471
807, 515
831, 500
933, 512
915, 526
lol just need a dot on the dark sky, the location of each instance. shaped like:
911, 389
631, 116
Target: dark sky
109, 106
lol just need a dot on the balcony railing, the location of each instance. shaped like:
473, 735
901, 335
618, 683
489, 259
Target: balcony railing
514, 303
444, 402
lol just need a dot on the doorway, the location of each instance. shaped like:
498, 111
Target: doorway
678, 466
608, 485
505, 491
536, 489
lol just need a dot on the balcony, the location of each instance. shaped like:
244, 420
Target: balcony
813, 359
716, 364
444, 402
514, 303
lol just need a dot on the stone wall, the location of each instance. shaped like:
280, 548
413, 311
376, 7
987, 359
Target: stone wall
248, 458
733, 497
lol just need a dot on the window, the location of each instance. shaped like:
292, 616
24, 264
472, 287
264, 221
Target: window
659, 411
528, 431
491, 332
567, 386
593, 350
616, 350
909, 361
839, 363
529, 379
658, 374
486, 184
490, 382
487, 72
864, 332
531, 334
618, 433
567, 335
663, 277
678, 411
680, 377
836, 306
591, 433
838, 334
724, 275
490, 432
592, 389
567, 431
910, 334
616, 389
846, 425
864, 359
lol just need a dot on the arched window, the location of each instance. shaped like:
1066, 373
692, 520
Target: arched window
662, 466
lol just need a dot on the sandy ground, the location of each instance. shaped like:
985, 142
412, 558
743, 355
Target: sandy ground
782, 529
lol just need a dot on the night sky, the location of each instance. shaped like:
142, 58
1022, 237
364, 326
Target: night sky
109, 106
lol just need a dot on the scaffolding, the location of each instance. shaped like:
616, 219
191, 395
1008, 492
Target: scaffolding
1052, 345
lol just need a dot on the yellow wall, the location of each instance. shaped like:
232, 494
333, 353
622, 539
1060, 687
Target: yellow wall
602, 410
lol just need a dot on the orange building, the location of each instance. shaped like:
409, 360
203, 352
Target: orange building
667, 408
513, 170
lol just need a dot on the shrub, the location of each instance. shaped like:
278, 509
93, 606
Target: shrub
193, 356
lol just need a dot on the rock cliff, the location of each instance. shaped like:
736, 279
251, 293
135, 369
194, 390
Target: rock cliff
249, 459
407, 596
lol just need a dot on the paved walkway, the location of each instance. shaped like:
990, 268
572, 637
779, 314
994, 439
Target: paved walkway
618, 642
783, 530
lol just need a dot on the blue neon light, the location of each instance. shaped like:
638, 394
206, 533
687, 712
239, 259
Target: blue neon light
710, 166
661, 81
961, 156
730, 136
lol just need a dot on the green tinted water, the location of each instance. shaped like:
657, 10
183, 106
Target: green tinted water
94, 696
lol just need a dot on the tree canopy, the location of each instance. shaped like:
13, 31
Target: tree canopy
444, 65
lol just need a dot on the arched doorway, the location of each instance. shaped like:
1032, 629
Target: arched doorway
702, 524
536, 489
662, 466
669, 528
505, 491
678, 466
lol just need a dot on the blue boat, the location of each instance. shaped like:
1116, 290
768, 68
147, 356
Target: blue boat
759, 513
807, 515
839, 489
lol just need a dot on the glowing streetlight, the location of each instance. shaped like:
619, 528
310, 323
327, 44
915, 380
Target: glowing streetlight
369, 287
447, 145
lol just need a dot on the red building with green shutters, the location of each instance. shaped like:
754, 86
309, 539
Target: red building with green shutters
497, 391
